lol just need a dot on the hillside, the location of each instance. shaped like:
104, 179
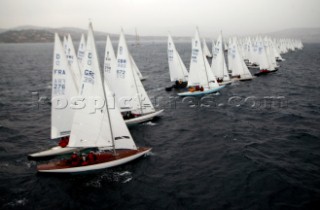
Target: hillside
30, 34
25, 34
307, 35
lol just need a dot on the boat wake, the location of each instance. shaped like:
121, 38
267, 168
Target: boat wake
111, 177
17, 203
150, 154
150, 123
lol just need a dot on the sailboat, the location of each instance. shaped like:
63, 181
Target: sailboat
219, 66
120, 74
177, 69
267, 60
63, 89
239, 69
201, 79
103, 128
206, 50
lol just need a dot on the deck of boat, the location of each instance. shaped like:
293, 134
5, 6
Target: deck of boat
102, 157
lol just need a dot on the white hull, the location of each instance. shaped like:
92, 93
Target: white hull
98, 166
201, 93
143, 118
242, 79
53, 151
225, 83
66, 150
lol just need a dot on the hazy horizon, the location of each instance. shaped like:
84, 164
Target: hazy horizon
157, 17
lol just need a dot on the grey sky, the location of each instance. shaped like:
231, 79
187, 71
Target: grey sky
157, 17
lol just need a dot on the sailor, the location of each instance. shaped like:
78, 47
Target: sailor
84, 160
64, 141
74, 159
92, 157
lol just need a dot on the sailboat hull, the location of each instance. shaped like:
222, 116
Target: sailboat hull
263, 72
104, 160
53, 152
201, 93
225, 83
143, 118
242, 78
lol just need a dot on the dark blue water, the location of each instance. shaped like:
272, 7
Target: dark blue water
255, 145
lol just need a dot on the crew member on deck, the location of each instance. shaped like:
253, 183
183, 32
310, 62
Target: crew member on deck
75, 159
84, 160
64, 141
92, 157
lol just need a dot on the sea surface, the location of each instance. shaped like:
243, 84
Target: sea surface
253, 145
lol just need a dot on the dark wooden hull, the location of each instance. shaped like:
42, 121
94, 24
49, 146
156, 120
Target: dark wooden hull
103, 160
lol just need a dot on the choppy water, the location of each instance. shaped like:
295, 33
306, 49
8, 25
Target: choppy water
255, 145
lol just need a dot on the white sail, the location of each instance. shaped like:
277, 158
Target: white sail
135, 68
65, 46
177, 69
81, 49
262, 56
199, 73
63, 88
270, 53
129, 91
73, 62
103, 126
206, 50
239, 68
230, 54
110, 76
218, 65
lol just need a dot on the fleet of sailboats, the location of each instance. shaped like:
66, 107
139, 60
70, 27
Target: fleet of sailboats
103, 128
104, 103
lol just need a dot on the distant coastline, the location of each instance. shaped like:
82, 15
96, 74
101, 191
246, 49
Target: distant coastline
31, 34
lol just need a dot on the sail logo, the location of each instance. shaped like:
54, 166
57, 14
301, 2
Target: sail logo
57, 59
194, 55
88, 76
107, 56
59, 86
89, 73
59, 71
170, 55
121, 74
122, 63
